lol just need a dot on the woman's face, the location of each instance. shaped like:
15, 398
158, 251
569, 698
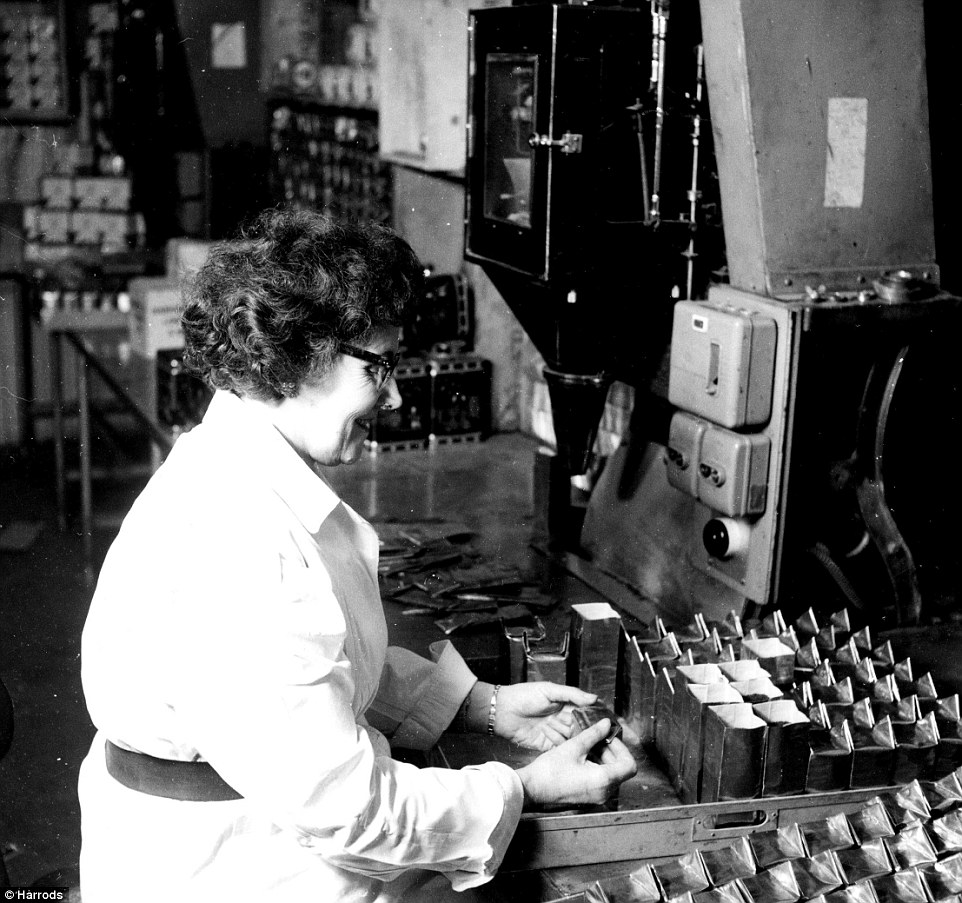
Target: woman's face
329, 418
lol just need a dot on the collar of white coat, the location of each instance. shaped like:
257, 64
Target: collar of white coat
301, 488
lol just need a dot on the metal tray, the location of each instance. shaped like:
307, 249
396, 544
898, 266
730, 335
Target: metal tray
649, 822
552, 841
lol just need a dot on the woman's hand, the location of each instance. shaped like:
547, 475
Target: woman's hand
566, 776
534, 715
537, 715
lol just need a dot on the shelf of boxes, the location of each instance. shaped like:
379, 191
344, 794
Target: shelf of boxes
32, 66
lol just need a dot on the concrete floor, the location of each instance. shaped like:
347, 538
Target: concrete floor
44, 598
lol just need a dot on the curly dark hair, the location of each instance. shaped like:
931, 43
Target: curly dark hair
267, 309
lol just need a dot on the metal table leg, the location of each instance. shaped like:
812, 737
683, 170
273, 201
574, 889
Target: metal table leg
56, 391
86, 487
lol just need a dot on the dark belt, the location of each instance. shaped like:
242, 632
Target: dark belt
170, 778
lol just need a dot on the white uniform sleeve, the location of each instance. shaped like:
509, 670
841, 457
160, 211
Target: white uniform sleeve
267, 691
418, 699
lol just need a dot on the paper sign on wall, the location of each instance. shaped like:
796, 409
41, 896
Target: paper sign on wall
228, 45
845, 151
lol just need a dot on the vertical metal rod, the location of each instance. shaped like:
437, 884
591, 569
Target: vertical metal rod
159, 71
653, 76
662, 23
56, 391
86, 489
643, 162
695, 146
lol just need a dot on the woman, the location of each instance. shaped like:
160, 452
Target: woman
234, 657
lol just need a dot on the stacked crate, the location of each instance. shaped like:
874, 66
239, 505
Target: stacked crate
31, 61
445, 388
460, 399
445, 400
405, 428
81, 214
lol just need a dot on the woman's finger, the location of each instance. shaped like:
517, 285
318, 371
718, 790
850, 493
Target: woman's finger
584, 742
618, 761
553, 735
563, 726
560, 693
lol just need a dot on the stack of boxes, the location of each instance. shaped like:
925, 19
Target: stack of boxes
156, 335
79, 214
445, 400
31, 62
445, 388
460, 398
405, 428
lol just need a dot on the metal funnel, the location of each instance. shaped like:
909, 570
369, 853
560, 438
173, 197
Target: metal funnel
577, 402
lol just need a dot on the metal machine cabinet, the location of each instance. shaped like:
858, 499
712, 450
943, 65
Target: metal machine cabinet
852, 382
552, 150
822, 140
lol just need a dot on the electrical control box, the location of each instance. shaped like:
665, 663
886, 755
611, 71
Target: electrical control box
724, 470
733, 472
722, 363
683, 451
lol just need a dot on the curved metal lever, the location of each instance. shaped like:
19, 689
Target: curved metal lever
879, 521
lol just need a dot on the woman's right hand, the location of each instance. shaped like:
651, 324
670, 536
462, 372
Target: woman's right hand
566, 776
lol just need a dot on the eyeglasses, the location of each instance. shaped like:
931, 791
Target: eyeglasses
386, 365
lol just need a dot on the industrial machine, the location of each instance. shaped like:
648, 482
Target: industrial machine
791, 356
564, 205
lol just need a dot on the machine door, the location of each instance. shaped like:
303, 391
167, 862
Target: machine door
510, 219
548, 97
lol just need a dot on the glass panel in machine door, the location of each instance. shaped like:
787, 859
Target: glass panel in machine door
509, 117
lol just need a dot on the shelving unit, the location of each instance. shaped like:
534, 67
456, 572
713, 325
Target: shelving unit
326, 157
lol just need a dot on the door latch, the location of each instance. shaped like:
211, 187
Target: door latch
568, 143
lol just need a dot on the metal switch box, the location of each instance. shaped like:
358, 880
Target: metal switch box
722, 363
684, 451
733, 472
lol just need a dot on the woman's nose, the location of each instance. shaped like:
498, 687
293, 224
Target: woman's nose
390, 395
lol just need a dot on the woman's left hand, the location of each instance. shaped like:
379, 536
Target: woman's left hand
537, 715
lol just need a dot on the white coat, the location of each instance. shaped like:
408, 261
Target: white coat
237, 620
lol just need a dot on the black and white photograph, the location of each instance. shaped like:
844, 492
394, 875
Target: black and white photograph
493, 451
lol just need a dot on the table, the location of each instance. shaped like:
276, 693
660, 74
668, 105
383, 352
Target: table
72, 329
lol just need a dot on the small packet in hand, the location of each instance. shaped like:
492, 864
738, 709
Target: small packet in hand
587, 715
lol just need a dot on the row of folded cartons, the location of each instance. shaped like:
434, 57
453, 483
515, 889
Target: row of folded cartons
771, 711
765, 718
901, 846
727, 732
